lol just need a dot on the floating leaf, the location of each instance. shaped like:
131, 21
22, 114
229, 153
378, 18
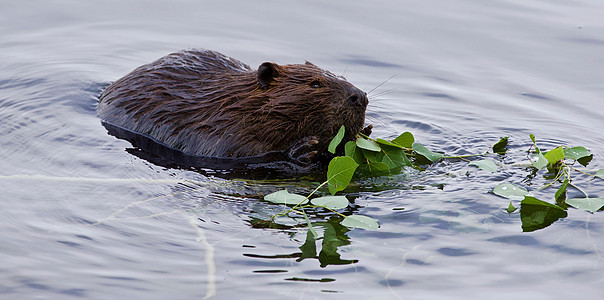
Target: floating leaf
371, 169
351, 150
501, 146
485, 164
561, 192
421, 150
511, 208
332, 202
284, 197
536, 214
600, 173
395, 157
388, 143
576, 152
510, 191
336, 140
406, 139
339, 173
539, 161
554, 156
588, 204
372, 156
360, 222
368, 144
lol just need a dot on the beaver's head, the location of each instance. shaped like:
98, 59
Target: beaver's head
315, 101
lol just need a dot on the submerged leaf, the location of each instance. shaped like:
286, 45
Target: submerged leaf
339, 173
485, 164
423, 151
368, 145
600, 173
336, 140
406, 139
510, 191
357, 221
576, 152
284, 197
536, 214
332, 202
589, 204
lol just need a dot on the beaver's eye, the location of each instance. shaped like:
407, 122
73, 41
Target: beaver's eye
316, 84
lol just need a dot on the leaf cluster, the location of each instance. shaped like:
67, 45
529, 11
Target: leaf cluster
367, 157
536, 214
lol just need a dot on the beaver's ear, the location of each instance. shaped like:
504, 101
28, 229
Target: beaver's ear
267, 72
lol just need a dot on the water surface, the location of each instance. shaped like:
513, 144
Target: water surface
83, 218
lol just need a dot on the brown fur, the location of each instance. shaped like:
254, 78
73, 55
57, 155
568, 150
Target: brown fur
204, 103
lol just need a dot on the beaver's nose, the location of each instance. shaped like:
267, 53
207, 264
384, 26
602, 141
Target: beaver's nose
358, 99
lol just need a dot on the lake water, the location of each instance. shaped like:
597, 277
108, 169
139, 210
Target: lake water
83, 218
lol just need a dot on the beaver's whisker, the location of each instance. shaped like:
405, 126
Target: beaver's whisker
376, 97
383, 82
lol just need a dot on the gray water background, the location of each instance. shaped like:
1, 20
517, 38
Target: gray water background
82, 218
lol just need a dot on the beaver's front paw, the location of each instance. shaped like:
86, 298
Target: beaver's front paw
305, 150
367, 130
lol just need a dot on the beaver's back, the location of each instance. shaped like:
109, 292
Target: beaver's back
203, 103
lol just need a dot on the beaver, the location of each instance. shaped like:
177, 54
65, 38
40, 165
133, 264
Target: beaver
203, 103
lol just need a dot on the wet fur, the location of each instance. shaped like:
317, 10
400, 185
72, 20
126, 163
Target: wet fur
204, 103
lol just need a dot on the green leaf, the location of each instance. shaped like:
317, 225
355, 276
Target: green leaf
536, 214
395, 157
561, 192
336, 140
351, 150
373, 157
589, 204
600, 173
310, 227
576, 152
532, 136
485, 164
360, 222
421, 150
406, 139
372, 169
555, 155
510, 191
511, 208
539, 161
332, 202
368, 145
388, 143
501, 146
339, 173
284, 197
